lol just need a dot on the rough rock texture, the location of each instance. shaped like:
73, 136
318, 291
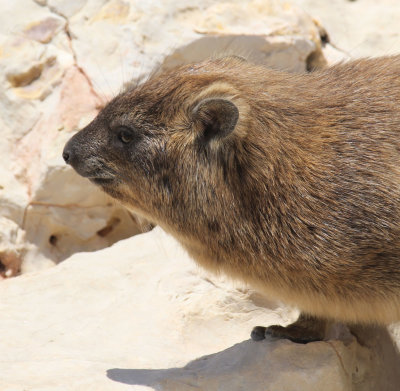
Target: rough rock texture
61, 60
360, 28
46, 97
142, 314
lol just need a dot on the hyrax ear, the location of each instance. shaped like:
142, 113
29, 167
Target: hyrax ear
216, 118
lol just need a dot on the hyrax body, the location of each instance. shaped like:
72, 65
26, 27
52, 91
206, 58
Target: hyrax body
290, 182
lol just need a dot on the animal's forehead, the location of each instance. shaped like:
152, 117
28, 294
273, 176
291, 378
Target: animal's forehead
159, 93
134, 107
178, 79
117, 107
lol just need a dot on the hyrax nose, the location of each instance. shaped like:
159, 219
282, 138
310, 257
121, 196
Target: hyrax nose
66, 154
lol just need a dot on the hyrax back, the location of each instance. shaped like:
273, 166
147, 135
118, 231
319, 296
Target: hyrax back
288, 182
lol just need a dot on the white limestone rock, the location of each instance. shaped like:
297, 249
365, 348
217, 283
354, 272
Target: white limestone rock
66, 8
117, 41
141, 314
12, 248
361, 28
46, 97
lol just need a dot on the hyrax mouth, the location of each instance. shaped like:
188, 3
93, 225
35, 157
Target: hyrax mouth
87, 164
102, 181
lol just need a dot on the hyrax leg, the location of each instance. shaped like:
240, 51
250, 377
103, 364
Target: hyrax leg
307, 328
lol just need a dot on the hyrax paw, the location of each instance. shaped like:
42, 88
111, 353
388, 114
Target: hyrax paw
294, 334
258, 333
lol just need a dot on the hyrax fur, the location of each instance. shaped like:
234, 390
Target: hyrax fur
290, 182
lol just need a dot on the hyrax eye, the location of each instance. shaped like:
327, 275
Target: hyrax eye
125, 135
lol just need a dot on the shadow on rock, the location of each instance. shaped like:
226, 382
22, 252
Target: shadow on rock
191, 376
271, 365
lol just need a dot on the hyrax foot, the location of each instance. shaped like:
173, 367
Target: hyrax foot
297, 335
258, 333
306, 329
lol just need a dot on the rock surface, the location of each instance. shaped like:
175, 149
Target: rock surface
141, 316
360, 28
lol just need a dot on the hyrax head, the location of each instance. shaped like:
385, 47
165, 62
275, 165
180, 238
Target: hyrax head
169, 148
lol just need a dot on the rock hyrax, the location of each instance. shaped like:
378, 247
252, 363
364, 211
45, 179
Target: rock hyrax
290, 182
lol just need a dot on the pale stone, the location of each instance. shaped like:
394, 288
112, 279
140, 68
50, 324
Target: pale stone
44, 30
141, 314
132, 42
29, 69
65, 213
361, 28
58, 220
11, 248
66, 8
13, 195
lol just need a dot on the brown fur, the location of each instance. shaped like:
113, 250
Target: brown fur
301, 199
